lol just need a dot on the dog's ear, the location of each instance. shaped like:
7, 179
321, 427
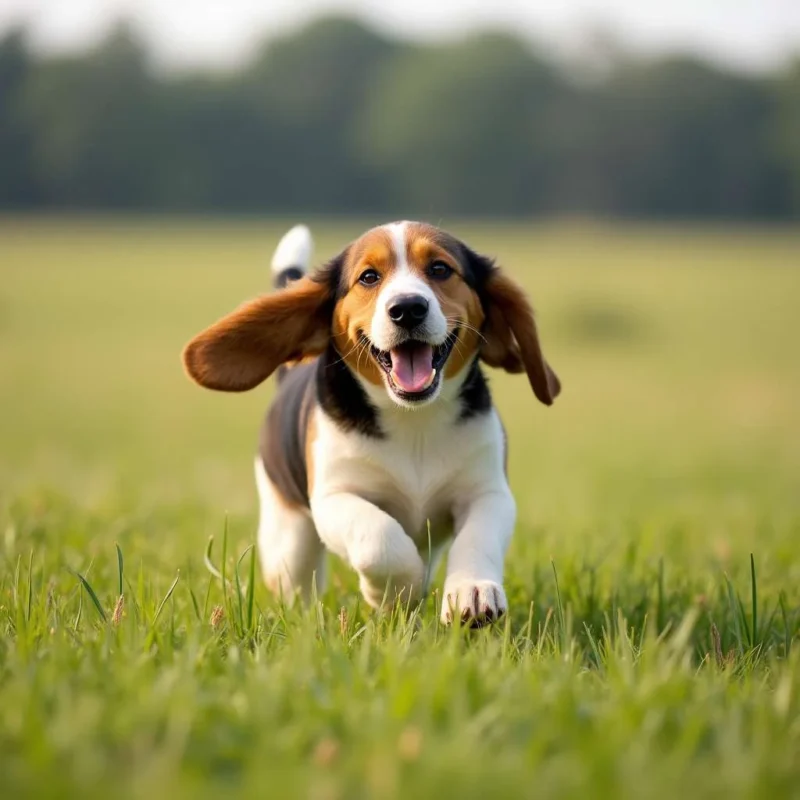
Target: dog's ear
511, 337
245, 347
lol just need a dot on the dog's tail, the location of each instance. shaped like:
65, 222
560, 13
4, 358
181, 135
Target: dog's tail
290, 261
292, 256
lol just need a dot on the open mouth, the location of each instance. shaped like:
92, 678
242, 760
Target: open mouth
414, 368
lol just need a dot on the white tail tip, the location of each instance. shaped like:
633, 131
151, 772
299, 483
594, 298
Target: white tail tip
294, 250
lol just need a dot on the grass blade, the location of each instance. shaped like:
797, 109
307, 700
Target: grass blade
226, 600
594, 646
207, 598
560, 608
195, 605
79, 615
239, 594
209, 564
30, 588
92, 596
166, 597
754, 637
787, 632
15, 583
119, 568
740, 626
251, 592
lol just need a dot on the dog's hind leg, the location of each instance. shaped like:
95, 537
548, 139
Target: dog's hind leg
290, 551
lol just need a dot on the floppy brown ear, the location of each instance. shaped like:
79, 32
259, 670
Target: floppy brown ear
512, 340
245, 347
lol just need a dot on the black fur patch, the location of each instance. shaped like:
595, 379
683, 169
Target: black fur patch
477, 270
282, 440
342, 397
332, 274
474, 396
287, 276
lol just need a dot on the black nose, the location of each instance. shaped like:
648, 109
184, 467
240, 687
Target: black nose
408, 310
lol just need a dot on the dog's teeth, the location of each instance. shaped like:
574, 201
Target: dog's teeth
431, 379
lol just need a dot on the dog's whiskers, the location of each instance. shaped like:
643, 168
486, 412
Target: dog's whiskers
466, 325
347, 354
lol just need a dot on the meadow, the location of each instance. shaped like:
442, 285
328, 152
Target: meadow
651, 649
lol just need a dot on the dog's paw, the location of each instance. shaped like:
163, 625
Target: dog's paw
390, 570
474, 603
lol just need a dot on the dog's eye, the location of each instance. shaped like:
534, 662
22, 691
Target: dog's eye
369, 277
440, 271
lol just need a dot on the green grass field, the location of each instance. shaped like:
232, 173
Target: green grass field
673, 455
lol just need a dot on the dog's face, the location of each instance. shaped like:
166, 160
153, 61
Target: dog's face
406, 306
407, 315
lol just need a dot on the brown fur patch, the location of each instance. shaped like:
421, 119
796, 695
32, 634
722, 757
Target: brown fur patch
354, 311
245, 347
374, 249
425, 244
512, 338
311, 435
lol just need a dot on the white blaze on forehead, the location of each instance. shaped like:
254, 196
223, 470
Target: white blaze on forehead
397, 231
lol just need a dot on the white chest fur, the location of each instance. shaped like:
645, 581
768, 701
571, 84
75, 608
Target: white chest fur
427, 464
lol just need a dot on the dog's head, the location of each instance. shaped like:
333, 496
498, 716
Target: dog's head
406, 306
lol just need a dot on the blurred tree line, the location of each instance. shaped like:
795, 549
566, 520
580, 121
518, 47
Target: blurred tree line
338, 119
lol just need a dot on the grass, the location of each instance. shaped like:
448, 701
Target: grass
652, 645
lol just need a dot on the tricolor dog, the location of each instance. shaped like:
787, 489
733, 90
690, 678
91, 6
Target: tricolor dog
382, 444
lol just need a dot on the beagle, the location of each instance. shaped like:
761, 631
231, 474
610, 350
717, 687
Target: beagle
382, 443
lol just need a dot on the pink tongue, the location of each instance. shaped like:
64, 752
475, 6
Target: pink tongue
412, 367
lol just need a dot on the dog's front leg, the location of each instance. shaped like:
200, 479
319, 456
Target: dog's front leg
473, 589
388, 563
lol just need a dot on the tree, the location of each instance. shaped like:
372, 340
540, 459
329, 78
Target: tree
338, 118
786, 130
18, 187
92, 119
462, 128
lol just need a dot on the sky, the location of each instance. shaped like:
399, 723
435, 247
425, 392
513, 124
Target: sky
748, 34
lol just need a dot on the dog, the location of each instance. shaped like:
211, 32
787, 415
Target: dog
382, 443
